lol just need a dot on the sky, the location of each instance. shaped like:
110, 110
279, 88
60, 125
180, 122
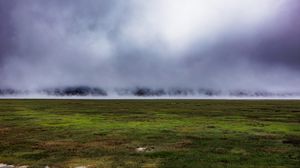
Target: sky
228, 44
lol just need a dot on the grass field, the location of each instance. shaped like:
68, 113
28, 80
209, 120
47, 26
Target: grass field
150, 133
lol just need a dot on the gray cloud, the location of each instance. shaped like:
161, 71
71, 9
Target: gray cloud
112, 43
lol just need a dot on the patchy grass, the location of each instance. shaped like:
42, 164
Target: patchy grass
174, 133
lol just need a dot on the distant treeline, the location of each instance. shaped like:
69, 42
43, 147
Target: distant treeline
75, 91
143, 92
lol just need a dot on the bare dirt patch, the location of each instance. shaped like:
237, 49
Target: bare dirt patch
4, 130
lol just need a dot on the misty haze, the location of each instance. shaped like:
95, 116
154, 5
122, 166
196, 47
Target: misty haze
248, 47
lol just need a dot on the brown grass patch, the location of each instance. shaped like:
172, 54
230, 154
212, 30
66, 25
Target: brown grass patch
276, 150
270, 136
58, 145
107, 143
4, 130
184, 144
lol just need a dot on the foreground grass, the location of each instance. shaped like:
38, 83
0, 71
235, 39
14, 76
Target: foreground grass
175, 133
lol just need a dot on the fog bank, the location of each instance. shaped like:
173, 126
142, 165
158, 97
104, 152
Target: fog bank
251, 46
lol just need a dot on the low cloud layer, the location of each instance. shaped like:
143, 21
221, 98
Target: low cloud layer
233, 44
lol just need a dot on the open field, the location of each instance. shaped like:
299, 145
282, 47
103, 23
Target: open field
150, 133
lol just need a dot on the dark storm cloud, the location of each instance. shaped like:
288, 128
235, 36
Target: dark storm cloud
112, 43
282, 44
6, 27
278, 44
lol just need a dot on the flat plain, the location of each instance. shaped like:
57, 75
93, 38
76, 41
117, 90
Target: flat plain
150, 133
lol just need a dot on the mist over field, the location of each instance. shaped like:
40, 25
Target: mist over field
248, 48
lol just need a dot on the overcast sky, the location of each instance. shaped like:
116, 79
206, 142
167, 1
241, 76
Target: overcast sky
228, 44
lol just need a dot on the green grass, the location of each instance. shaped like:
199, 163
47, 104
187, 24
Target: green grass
177, 133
